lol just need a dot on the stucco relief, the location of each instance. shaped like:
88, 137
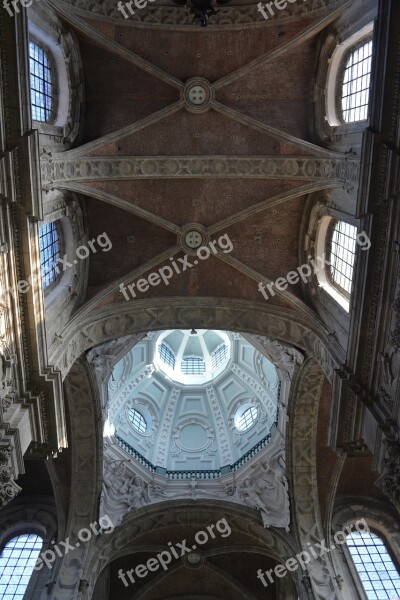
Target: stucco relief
8, 488
269, 495
88, 169
169, 15
121, 492
284, 357
302, 469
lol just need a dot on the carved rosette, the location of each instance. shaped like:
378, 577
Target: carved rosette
8, 488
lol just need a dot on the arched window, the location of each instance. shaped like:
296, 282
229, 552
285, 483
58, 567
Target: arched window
166, 355
42, 88
248, 418
192, 365
219, 356
375, 568
17, 560
348, 79
341, 254
356, 83
49, 240
137, 420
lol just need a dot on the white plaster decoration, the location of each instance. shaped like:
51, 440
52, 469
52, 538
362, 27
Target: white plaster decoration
207, 445
284, 357
269, 495
167, 420
104, 356
269, 404
122, 492
260, 483
221, 428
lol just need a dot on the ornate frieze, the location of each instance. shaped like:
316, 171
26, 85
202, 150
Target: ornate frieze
227, 17
62, 170
261, 484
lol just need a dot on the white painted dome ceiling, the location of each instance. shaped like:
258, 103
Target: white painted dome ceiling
193, 400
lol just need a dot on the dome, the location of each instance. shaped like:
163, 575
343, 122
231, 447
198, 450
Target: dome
192, 357
199, 399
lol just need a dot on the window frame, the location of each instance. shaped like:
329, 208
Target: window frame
198, 359
131, 421
54, 81
340, 82
61, 252
16, 536
352, 565
331, 82
161, 355
328, 250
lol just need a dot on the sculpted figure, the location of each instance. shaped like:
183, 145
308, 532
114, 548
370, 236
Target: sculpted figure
121, 494
283, 357
269, 495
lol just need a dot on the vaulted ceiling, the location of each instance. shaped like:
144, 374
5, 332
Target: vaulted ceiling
150, 162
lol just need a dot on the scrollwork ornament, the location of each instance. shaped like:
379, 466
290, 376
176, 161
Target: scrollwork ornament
8, 488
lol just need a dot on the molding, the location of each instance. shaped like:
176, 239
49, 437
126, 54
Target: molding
56, 171
101, 325
302, 472
168, 16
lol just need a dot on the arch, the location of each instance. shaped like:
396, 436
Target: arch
125, 539
86, 440
132, 318
302, 465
